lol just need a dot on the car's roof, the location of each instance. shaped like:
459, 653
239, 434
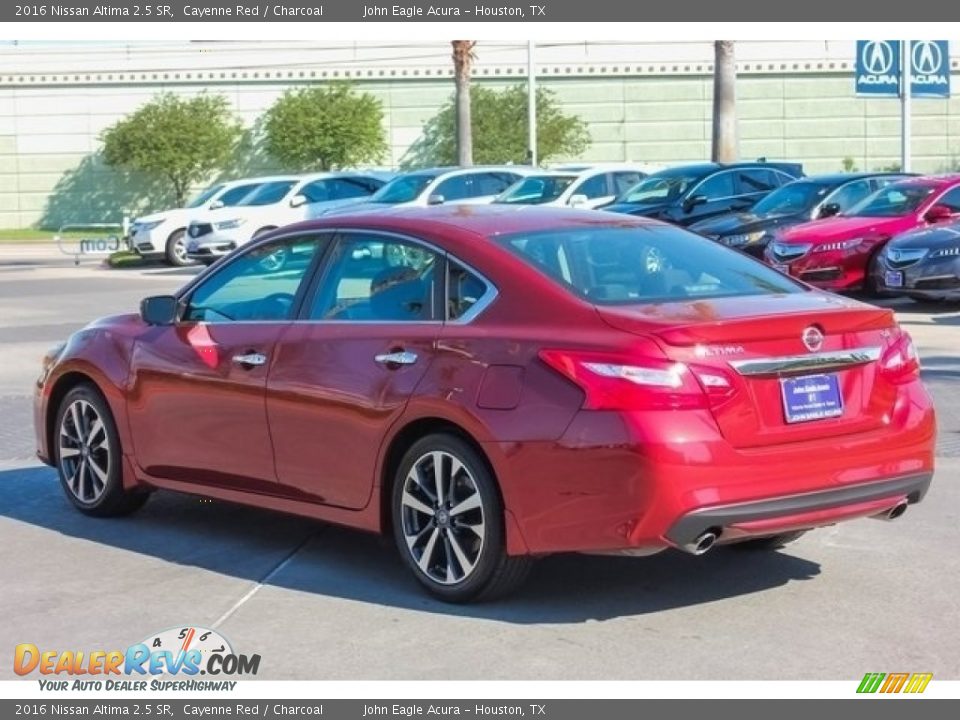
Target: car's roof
932, 180
455, 170
483, 220
843, 177
261, 180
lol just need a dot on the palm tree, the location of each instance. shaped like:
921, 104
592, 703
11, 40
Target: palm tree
724, 103
463, 57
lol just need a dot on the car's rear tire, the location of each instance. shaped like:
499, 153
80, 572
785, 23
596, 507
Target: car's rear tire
773, 542
451, 533
175, 252
88, 456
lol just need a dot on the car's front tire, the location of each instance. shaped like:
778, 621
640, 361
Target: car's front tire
88, 456
448, 522
175, 252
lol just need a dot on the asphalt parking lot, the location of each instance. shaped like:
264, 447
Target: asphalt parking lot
322, 602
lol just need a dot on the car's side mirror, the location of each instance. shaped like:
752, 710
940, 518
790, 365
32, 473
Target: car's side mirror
578, 201
159, 310
436, 199
829, 210
691, 202
216, 204
938, 213
298, 200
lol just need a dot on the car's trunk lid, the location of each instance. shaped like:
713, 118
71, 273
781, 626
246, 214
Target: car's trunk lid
758, 344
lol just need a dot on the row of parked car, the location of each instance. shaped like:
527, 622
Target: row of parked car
879, 231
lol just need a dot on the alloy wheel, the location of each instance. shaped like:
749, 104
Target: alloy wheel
84, 451
442, 517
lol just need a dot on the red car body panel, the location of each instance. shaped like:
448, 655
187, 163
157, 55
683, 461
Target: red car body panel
313, 432
848, 269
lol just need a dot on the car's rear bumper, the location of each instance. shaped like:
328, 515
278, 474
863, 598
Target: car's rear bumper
792, 512
619, 481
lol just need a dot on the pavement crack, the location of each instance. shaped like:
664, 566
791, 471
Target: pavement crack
265, 579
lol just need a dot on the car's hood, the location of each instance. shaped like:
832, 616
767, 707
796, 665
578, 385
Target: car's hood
745, 222
239, 211
327, 207
637, 209
845, 228
933, 238
363, 206
181, 215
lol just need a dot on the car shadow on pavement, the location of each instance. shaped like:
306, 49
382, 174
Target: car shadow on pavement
283, 551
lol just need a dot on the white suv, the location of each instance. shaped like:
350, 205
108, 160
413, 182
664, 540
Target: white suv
164, 233
434, 186
580, 186
277, 202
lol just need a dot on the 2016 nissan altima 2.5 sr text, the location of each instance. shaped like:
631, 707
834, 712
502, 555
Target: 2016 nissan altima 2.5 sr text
490, 384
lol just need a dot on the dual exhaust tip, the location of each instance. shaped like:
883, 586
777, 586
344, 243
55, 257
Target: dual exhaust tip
707, 539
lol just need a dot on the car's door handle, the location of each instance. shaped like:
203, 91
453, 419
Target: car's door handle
253, 358
402, 357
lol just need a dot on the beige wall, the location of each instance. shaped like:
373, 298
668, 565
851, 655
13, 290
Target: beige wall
50, 171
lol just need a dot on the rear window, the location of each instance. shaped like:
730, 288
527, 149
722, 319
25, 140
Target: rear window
629, 265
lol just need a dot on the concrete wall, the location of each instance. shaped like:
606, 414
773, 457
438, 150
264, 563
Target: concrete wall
50, 170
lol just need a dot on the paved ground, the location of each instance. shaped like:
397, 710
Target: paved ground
322, 602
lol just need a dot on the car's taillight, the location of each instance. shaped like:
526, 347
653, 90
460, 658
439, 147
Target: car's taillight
900, 362
616, 382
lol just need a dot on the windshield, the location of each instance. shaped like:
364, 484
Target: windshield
797, 197
645, 264
536, 190
207, 194
269, 193
405, 188
892, 201
660, 187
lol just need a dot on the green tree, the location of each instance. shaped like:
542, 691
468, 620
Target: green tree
500, 130
323, 128
182, 140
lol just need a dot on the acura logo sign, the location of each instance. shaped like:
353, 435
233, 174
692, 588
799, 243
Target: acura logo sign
877, 57
812, 338
926, 57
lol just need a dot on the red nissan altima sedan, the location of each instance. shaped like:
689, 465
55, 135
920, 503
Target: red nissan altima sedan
490, 384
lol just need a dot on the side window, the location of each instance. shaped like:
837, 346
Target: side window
491, 184
378, 278
951, 199
850, 194
318, 191
717, 186
783, 178
464, 290
623, 181
458, 187
259, 285
234, 195
344, 188
593, 188
757, 181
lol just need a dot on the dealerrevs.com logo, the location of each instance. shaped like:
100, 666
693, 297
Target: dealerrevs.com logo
183, 652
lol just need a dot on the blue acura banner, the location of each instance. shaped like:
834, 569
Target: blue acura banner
878, 68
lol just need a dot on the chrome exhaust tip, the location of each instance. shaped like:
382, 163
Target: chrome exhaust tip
896, 511
701, 544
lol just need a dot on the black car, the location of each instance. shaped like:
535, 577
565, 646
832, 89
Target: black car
689, 193
922, 264
800, 201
